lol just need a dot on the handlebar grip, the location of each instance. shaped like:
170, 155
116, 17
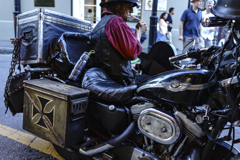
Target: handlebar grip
178, 57
214, 21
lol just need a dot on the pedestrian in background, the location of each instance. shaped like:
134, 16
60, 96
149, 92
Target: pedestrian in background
207, 32
170, 22
161, 34
190, 24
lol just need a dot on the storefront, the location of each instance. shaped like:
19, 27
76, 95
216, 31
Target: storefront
90, 10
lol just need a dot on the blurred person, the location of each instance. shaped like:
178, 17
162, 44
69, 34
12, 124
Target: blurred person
207, 32
224, 36
170, 22
190, 24
161, 34
114, 41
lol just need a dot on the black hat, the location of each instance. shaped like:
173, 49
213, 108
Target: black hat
227, 9
117, 1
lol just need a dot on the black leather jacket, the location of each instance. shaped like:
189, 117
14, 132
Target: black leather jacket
107, 57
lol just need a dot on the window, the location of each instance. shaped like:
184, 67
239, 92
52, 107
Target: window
137, 11
88, 10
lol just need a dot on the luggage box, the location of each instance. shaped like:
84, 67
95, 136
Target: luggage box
37, 28
55, 111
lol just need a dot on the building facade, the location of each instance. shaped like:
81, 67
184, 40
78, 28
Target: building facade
91, 11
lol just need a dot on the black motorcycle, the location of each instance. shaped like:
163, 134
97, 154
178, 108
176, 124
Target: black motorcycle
177, 114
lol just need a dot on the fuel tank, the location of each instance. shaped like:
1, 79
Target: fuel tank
186, 87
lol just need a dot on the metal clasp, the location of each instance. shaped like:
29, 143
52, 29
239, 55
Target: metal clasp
206, 112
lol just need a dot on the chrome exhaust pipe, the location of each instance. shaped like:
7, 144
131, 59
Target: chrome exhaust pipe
109, 144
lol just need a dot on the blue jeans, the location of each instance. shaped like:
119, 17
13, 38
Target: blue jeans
161, 37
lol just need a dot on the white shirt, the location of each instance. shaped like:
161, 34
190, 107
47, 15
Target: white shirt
163, 27
206, 33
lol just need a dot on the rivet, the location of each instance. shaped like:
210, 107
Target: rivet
19, 87
164, 129
15, 89
148, 123
225, 5
111, 107
28, 78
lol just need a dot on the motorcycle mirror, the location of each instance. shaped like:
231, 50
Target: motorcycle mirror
189, 45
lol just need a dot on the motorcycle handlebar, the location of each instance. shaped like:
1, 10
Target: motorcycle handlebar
186, 55
178, 57
214, 21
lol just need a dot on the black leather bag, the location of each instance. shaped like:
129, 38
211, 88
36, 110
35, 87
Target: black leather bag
66, 51
16, 92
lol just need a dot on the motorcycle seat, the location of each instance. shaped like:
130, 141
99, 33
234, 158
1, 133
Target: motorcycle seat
102, 87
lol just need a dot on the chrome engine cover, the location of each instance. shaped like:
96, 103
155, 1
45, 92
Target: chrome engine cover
159, 126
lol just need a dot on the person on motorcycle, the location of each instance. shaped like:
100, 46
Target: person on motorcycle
114, 41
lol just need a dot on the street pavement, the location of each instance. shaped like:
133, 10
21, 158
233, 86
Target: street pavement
6, 47
15, 143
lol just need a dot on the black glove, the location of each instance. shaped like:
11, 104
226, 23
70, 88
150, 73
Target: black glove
194, 52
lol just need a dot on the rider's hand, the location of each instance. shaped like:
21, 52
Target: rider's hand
141, 26
180, 38
136, 68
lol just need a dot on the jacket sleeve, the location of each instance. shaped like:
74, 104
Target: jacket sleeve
123, 38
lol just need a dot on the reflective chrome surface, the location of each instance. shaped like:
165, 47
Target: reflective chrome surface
159, 126
226, 82
29, 19
95, 150
175, 86
190, 125
181, 87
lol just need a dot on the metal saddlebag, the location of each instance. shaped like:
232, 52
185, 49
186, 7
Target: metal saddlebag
37, 28
55, 111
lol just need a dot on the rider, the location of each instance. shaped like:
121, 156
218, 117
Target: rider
114, 41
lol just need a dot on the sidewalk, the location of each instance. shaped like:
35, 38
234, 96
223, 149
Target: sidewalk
6, 47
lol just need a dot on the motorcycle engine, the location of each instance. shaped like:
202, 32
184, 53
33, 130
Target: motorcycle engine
159, 126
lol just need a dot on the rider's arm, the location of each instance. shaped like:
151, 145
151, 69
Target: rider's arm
123, 38
141, 28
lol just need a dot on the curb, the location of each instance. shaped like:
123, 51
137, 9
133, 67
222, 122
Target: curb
30, 140
4, 51
6, 47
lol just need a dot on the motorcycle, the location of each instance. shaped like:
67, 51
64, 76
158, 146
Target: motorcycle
177, 114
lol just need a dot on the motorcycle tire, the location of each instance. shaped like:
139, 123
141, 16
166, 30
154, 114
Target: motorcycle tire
70, 154
221, 150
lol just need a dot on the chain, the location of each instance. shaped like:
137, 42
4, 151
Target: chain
11, 71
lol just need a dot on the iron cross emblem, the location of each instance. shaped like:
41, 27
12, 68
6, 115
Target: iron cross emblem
46, 111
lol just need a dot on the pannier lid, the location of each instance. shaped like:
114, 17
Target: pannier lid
54, 88
46, 11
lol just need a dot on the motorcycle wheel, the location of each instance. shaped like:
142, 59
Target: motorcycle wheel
69, 154
221, 150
